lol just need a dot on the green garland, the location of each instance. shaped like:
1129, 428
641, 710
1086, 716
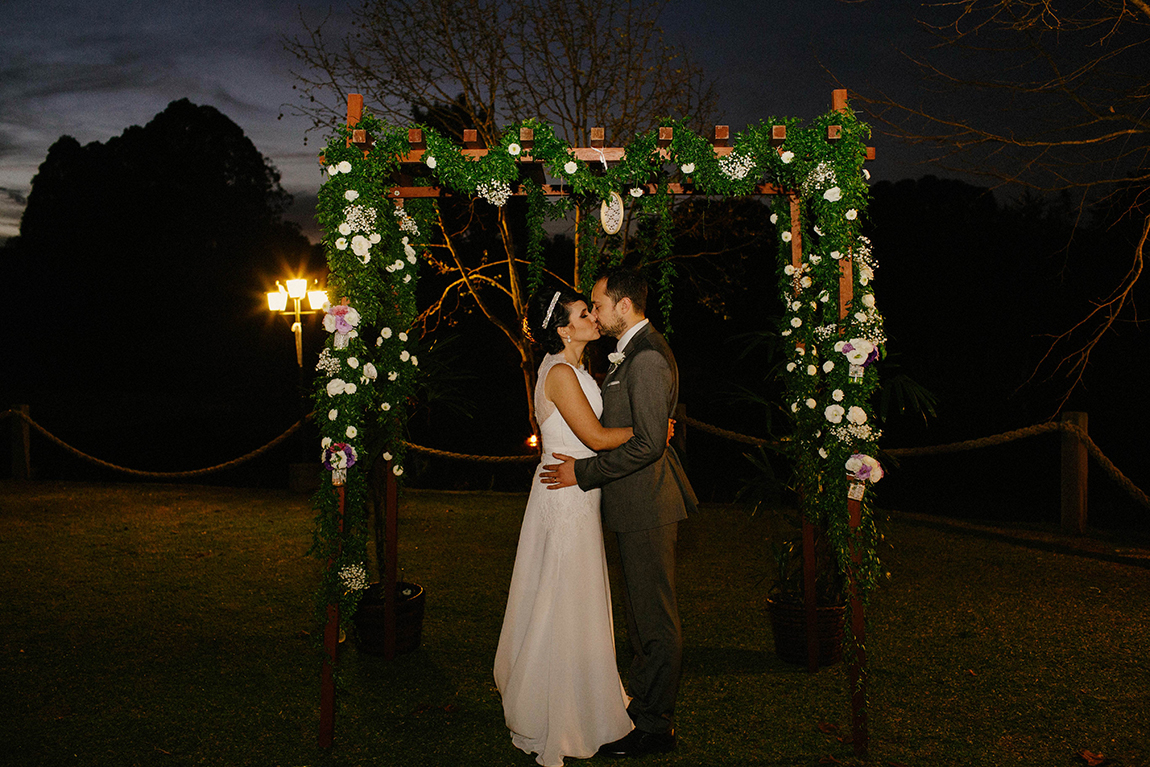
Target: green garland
830, 400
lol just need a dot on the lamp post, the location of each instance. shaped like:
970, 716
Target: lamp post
303, 476
296, 290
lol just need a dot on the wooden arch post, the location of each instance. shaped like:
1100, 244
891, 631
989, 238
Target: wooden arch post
860, 737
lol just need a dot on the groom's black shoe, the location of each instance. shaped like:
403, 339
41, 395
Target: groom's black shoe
639, 743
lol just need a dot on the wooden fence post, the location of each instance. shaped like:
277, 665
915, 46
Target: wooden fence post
21, 443
1074, 466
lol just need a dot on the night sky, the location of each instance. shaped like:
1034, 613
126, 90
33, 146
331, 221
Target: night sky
90, 70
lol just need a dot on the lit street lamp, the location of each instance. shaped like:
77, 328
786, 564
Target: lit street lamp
296, 290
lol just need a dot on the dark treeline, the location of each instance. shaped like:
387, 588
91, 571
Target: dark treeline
146, 340
144, 337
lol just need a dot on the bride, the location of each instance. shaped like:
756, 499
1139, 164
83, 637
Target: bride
555, 665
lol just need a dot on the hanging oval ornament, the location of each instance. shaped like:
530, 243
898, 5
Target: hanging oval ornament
611, 213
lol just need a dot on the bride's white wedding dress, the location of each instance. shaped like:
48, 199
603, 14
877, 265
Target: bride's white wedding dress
555, 666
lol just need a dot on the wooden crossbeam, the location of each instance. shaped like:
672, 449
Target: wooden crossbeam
400, 193
594, 155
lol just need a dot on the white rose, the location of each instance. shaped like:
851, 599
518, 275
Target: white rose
805, 282
794, 407
811, 403
839, 345
868, 300
571, 168
834, 194
818, 231
341, 244
812, 370
386, 456
332, 170
332, 414
774, 218
828, 366
385, 333
823, 453
866, 174
788, 270
360, 245
636, 192
836, 255
325, 443
397, 470
408, 251
800, 351
351, 195
407, 278
385, 406
786, 332
786, 236
369, 371
404, 355
430, 161
688, 168
837, 395
815, 258
856, 415
349, 388
374, 238
403, 336
353, 362
345, 167
860, 316
414, 360
787, 156
392, 376
351, 432
345, 228
791, 367
852, 214
514, 149
335, 387
834, 413
796, 322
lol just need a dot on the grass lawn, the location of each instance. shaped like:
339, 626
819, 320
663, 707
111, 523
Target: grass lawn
171, 625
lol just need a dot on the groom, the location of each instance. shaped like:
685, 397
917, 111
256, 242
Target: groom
645, 494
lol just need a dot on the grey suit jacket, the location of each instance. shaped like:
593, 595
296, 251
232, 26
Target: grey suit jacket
644, 485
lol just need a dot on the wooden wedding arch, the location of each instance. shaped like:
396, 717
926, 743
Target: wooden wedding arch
400, 189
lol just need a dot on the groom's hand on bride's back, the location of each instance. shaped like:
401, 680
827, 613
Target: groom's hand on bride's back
558, 475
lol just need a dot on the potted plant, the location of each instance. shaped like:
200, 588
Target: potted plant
370, 625
787, 608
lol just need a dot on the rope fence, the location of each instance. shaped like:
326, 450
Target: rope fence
972, 444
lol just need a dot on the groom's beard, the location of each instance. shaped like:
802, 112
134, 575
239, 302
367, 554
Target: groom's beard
614, 330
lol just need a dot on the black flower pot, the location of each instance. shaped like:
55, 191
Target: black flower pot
368, 618
789, 624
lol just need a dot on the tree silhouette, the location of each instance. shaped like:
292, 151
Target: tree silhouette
1050, 97
481, 64
146, 257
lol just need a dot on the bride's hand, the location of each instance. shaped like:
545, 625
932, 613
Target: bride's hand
558, 475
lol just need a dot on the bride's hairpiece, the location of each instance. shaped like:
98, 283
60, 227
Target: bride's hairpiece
551, 308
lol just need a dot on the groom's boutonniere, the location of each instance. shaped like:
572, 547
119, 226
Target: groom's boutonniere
615, 358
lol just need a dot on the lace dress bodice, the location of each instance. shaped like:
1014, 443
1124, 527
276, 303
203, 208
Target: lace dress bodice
556, 435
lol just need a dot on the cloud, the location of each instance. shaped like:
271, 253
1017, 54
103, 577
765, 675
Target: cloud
13, 195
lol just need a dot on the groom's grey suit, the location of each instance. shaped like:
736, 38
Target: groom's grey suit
645, 494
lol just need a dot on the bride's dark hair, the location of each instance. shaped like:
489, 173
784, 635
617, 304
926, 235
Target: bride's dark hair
540, 327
